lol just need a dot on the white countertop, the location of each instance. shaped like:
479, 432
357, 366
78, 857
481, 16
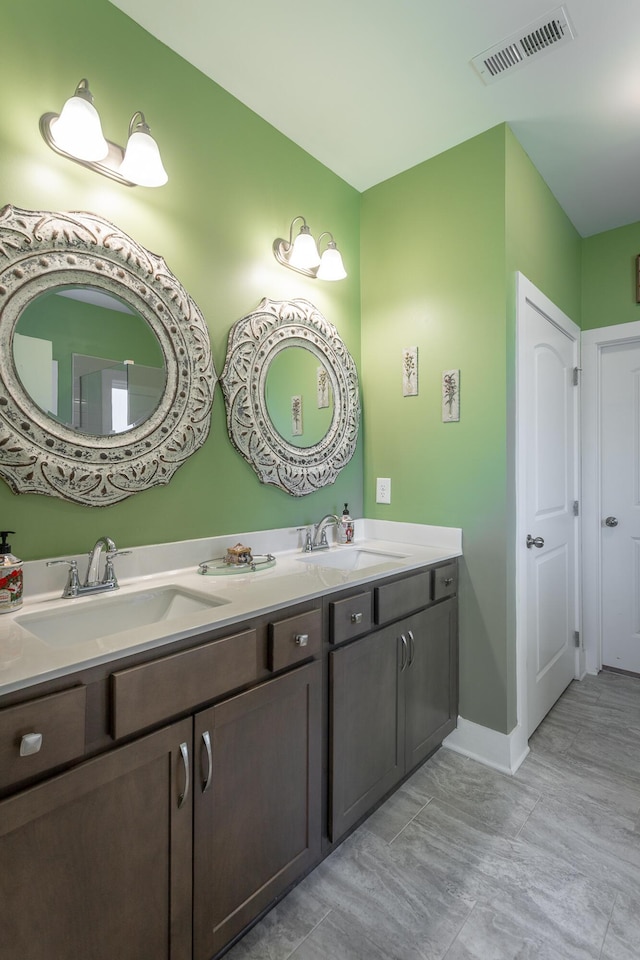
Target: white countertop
26, 660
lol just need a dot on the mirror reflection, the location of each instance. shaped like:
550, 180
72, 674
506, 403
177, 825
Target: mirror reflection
299, 396
88, 360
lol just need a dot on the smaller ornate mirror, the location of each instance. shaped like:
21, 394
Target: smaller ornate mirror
291, 393
106, 381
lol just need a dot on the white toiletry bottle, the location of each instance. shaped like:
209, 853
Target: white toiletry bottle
10, 576
346, 526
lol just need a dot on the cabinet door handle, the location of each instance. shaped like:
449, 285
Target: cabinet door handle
448, 581
206, 781
356, 618
302, 639
403, 663
412, 647
184, 753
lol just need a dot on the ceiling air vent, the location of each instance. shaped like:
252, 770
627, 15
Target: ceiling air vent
538, 37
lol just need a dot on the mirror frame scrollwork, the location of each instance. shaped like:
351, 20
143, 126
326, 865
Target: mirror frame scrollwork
41, 251
254, 341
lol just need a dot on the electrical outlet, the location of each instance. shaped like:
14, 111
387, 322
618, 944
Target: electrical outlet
383, 490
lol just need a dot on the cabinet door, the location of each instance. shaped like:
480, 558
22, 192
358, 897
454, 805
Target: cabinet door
430, 677
367, 726
96, 862
256, 803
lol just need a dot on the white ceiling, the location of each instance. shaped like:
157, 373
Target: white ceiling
373, 87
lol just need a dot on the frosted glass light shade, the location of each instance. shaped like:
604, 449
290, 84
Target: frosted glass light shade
78, 131
304, 253
142, 163
331, 265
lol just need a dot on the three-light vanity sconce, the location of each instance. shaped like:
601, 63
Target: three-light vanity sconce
302, 254
76, 133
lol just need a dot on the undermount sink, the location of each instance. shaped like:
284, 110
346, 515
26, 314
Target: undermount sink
350, 558
93, 618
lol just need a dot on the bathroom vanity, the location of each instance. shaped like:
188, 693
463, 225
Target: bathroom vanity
180, 788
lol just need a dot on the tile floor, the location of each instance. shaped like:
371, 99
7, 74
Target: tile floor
464, 863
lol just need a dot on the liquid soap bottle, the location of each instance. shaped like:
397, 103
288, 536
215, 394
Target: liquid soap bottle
10, 576
346, 530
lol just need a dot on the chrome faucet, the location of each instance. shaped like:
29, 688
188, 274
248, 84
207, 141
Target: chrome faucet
319, 537
91, 582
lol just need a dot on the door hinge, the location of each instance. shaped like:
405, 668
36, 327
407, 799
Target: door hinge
576, 637
576, 372
576, 508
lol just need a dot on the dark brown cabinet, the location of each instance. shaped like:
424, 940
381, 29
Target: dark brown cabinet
96, 862
393, 700
245, 752
257, 802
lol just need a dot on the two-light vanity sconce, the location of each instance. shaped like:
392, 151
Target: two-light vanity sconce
76, 133
302, 254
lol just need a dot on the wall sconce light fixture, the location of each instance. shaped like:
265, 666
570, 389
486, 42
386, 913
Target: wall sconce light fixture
302, 254
76, 133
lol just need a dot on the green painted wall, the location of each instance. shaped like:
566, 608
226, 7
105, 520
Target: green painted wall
609, 277
440, 245
235, 184
433, 276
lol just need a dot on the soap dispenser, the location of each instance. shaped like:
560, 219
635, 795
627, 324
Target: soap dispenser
346, 530
10, 576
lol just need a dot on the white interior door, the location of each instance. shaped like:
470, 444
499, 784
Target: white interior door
620, 499
547, 525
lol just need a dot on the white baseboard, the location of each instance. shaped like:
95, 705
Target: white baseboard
502, 751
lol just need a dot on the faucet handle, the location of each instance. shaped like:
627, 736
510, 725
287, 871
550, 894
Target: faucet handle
73, 583
109, 571
307, 540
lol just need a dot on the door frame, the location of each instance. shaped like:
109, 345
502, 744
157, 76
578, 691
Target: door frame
527, 292
593, 343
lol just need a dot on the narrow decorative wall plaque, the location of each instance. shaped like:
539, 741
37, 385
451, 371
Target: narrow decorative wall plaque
450, 396
410, 372
323, 388
296, 416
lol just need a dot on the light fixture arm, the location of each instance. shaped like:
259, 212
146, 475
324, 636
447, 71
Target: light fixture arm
327, 233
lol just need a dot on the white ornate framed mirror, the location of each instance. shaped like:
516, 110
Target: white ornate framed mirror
107, 380
291, 393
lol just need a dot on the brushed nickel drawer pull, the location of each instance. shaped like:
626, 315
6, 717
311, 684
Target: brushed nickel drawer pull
184, 753
356, 618
206, 781
448, 581
30, 744
412, 647
302, 639
403, 663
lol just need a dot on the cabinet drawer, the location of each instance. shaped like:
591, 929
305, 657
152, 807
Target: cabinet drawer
397, 599
350, 618
59, 719
294, 639
153, 692
445, 581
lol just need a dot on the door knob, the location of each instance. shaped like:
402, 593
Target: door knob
534, 541
611, 522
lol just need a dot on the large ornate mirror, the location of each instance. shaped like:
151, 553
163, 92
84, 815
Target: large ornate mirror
291, 394
107, 381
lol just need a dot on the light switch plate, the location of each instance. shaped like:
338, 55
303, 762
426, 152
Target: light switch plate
383, 490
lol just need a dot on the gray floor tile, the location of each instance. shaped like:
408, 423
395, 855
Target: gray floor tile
622, 941
283, 929
488, 935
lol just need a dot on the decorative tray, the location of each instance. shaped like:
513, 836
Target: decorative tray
220, 566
